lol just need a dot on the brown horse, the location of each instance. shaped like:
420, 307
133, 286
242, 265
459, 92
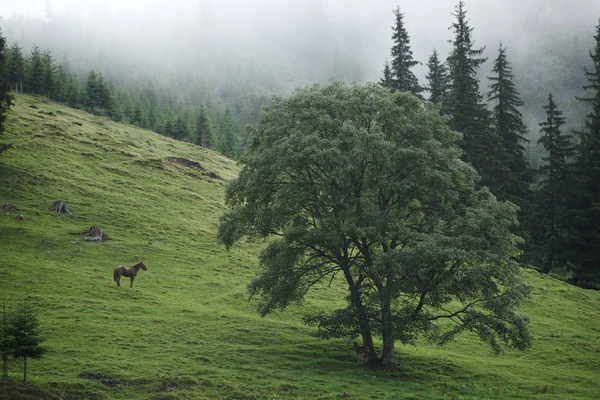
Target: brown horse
361, 351
130, 272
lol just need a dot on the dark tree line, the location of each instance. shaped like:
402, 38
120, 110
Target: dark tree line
559, 201
212, 126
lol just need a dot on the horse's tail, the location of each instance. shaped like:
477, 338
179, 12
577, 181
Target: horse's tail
116, 274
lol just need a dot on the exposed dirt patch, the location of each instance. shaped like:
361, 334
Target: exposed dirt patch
186, 163
104, 379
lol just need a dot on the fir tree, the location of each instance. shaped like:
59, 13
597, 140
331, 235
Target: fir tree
5, 348
387, 80
180, 128
437, 78
137, 115
25, 337
552, 198
35, 78
469, 115
203, 129
403, 78
16, 68
227, 142
510, 131
5, 97
586, 227
48, 76
169, 128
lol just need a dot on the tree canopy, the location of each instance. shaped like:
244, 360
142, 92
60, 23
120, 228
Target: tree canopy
367, 184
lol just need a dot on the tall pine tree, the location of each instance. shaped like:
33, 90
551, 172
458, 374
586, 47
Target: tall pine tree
5, 97
552, 198
586, 221
204, 136
464, 103
510, 130
16, 68
437, 78
403, 78
35, 76
386, 81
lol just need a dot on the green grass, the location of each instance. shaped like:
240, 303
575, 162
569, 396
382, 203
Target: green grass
187, 330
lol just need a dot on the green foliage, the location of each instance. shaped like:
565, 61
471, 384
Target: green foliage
188, 330
403, 79
586, 202
98, 95
203, 129
552, 212
387, 81
5, 97
368, 184
469, 115
513, 174
16, 67
25, 336
437, 78
35, 71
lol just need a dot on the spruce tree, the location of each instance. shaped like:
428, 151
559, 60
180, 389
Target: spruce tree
437, 77
5, 97
552, 198
510, 131
5, 347
180, 128
35, 76
203, 129
387, 80
464, 103
169, 127
586, 222
48, 75
403, 79
227, 139
25, 337
16, 68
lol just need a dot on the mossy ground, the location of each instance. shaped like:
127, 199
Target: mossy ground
186, 330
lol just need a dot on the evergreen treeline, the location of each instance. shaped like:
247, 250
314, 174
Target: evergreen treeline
147, 106
559, 200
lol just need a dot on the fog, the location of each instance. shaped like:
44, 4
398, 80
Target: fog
185, 35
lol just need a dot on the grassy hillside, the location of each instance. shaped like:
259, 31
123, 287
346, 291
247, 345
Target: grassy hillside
186, 329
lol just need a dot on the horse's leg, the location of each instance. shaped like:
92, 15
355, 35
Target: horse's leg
132, 281
119, 280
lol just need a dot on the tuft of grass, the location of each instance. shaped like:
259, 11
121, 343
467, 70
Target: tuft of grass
186, 329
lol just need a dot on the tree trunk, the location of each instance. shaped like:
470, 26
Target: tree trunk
388, 356
25, 371
5, 362
363, 319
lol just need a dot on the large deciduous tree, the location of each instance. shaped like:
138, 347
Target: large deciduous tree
368, 185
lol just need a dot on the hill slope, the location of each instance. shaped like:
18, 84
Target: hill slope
186, 329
